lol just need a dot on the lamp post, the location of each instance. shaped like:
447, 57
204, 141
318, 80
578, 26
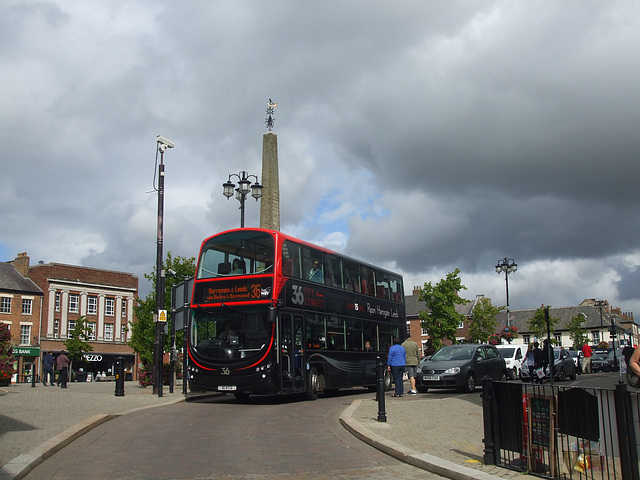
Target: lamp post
163, 144
244, 187
507, 265
600, 304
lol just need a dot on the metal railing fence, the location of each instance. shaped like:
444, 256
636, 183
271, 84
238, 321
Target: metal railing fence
559, 432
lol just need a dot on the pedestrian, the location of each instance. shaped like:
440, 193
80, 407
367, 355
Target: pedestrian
47, 368
62, 363
529, 361
538, 362
586, 361
396, 363
412, 360
633, 368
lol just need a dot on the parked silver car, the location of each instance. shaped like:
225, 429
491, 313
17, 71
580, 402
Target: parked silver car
461, 367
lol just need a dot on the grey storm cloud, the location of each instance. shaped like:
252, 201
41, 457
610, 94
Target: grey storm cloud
422, 136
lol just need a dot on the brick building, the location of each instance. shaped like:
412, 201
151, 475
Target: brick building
415, 330
106, 298
20, 307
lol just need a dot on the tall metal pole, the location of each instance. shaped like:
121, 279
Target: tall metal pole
506, 279
158, 348
242, 198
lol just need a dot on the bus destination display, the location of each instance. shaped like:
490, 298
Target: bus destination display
237, 290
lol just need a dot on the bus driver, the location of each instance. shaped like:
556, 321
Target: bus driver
229, 335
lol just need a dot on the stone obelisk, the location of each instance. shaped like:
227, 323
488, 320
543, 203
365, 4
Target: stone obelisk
270, 201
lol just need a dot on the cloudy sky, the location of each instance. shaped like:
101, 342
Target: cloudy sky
420, 136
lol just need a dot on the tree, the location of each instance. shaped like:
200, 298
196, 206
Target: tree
143, 330
576, 332
483, 321
538, 324
77, 344
441, 319
6, 355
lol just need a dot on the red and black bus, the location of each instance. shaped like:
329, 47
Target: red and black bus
273, 314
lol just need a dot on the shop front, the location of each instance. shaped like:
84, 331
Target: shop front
27, 359
95, 363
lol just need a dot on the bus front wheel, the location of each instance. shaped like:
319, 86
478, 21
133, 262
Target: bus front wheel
313, 384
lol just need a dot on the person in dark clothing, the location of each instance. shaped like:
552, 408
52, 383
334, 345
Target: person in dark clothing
538, 361
47, 368
62, 363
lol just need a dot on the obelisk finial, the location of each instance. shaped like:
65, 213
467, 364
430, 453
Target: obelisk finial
270, 115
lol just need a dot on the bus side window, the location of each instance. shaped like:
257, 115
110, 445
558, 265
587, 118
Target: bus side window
367, 281
291, 259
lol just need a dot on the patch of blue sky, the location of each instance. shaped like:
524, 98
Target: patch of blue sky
5, 253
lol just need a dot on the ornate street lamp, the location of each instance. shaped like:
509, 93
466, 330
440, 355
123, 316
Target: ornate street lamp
507, 265
244, 187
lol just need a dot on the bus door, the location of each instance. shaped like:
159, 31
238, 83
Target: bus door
291, 353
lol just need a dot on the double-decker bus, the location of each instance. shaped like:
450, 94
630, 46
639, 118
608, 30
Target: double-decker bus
273, 314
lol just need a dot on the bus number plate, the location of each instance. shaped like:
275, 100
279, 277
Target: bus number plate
431, 378
227, 388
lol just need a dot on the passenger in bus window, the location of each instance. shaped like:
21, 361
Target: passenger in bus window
315, 274
237, 268
367, 346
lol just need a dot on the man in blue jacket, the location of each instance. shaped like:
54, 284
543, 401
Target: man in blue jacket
396, 362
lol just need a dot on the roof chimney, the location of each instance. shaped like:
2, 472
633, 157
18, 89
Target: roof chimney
21, 264
416, 290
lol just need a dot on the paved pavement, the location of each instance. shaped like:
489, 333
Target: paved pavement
439, 433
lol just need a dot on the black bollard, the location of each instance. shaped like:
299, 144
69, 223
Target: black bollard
33, 375
380, 366
119, 377
488, 440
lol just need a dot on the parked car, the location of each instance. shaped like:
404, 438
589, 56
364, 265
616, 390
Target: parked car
610, 366
563, 367
513, 356
461, 367
577, 356
597, 361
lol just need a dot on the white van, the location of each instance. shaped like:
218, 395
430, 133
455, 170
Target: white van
514, 358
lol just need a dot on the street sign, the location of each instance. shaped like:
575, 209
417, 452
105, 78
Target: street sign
162, 316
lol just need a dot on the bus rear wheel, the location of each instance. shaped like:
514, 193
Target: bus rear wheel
313, 384
388, 380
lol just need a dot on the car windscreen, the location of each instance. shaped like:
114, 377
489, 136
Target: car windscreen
507, 352
453, 353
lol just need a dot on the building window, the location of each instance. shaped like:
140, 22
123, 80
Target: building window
558, 337
27, 306
56, 328
123, 333
461, 324
424, 332
92, 330
108, 332
92, 305
73, 302
595, 335
109, 307
71, 326
123, 308
5, 304
526, 339
57, 301
25, 334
